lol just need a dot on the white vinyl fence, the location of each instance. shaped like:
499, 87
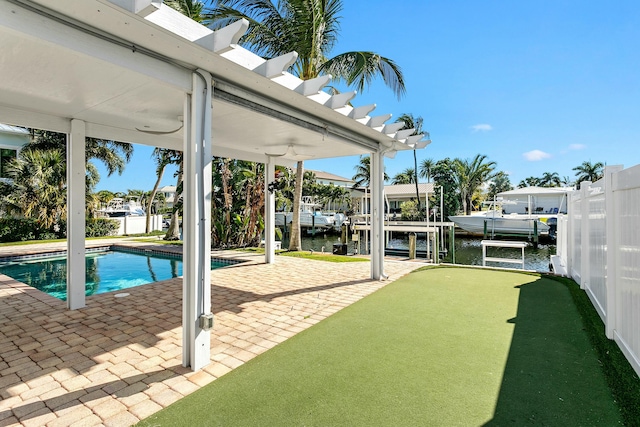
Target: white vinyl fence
137, 224
599, 247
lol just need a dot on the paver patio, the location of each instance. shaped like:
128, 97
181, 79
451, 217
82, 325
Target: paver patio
119, 360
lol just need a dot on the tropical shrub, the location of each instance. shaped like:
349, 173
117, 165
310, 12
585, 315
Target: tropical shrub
410, 211
100, 227
21, 229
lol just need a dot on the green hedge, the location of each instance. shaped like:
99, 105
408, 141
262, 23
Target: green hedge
21, 229
18, 229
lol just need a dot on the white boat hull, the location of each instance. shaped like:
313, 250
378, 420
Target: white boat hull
307, 220
499, 225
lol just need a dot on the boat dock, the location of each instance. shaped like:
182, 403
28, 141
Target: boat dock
440, 237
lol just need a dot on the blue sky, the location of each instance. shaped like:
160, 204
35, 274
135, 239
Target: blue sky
537, 86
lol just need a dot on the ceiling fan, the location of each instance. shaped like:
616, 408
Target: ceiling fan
290, 153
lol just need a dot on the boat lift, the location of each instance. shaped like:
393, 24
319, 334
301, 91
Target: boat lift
435, 230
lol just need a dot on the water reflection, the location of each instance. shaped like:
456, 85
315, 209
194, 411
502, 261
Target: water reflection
468, 250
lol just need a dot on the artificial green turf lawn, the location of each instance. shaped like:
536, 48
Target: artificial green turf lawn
444, 347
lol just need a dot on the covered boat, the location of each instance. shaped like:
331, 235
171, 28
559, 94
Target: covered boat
494, 222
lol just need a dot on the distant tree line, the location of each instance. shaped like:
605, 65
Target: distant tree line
468, 182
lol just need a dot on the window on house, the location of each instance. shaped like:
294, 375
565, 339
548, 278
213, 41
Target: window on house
6, 155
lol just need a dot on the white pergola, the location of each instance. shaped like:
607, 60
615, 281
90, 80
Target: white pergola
138, 71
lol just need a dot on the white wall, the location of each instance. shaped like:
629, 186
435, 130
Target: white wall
137, 224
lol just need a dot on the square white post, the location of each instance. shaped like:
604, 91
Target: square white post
611, 279
197, 317
569, 237
585, 230
269, 213
76, 268
377, 215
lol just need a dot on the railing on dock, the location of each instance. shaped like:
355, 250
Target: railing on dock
502, 244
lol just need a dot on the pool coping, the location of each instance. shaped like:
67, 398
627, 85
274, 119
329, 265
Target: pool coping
131, 247
118, 248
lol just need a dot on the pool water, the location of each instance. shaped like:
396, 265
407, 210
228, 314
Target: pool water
106, 271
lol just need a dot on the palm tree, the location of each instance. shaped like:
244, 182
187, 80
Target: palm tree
443, 174
45, 148
470, 175
309, 27
531, 181
163, 158
426, 168
38, 186
499, 184
415, 123
363, 173
588, 171
550, 179
566, 181
192, 8
407, 176
113, 154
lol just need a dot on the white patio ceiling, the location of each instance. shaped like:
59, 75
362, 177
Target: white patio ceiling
126, 75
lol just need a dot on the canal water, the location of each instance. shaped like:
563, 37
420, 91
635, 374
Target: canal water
468, 250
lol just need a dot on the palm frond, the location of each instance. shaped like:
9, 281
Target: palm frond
359, 69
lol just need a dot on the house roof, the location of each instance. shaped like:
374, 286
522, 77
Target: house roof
125, 67
537, 191
329, 176
407, 190
13, 130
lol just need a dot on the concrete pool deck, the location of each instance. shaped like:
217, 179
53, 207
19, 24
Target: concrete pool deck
118, 360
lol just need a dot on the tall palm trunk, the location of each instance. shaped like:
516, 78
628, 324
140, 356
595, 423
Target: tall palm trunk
173, 233
295, 243
153, 196
255, 203
228, 197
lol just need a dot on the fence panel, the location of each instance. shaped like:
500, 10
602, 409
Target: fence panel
602, 252
137, 224
575, 236
597, 286
626, 191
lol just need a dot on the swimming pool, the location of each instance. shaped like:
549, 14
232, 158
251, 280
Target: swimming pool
107, 270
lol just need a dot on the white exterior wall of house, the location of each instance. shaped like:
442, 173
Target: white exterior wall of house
169, 192
599, 247
137, 224
325, 178
11, 138
331, 179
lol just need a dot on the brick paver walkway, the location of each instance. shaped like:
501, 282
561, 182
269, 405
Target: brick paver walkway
118, 360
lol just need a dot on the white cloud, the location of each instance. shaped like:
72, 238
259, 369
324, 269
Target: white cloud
577, 147
483, 127
536, 155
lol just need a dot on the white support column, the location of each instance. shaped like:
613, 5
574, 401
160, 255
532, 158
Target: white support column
377, 215
269, 213
197, 318
76, 268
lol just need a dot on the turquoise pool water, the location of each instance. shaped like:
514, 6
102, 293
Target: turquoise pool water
106, 271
